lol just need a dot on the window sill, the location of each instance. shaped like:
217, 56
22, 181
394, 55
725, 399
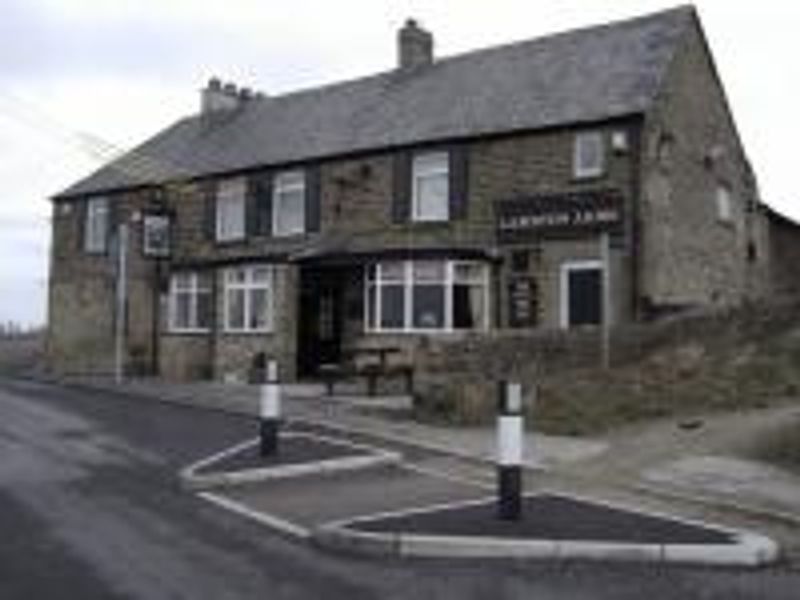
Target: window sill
588, 177
230, 242
247, 332
287, 235
426, 332
187, 332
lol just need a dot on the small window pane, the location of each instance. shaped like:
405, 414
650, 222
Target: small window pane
392, 271
589, 154
428, 306
96, 225
392, 307
204, 310
289, 211
372, 300
236, 275
469, 272
230, 209
724, 209
258, 309
261, 274
429, 271
183, 311
236, 309
469, 306
430, 185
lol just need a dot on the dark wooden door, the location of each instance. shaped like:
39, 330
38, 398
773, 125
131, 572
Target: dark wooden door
585, 297
320, 319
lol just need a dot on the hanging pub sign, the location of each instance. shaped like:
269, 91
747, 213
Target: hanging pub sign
156, 230
531, 217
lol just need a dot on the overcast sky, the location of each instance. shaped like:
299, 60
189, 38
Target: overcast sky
120, 71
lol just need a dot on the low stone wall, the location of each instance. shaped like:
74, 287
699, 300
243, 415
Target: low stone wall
457, 376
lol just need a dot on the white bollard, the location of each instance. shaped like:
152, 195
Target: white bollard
510, 437
270, 410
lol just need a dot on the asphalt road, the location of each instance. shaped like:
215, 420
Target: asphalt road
90, 509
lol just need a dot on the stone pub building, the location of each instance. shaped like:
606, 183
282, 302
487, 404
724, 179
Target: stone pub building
543, 184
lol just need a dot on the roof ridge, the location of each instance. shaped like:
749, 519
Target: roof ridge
468, 54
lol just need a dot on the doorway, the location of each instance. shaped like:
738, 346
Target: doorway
581, 293
320, 318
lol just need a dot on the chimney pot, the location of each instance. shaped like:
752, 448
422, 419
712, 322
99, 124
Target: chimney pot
415, 46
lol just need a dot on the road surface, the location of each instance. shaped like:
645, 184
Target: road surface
90, 508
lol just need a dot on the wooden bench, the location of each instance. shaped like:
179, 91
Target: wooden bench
332, 373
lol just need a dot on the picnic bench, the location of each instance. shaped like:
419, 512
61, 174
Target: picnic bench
371, 371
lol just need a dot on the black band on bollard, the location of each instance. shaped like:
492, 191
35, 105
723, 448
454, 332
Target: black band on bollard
509, 492
269, 436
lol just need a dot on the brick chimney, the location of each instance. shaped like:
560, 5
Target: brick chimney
414, 47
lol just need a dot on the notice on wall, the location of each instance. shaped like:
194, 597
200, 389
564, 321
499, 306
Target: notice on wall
523, 302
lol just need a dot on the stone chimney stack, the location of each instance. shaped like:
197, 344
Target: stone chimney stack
415, 47
216, 97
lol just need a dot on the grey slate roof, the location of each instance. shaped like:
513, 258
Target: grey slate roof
578, 76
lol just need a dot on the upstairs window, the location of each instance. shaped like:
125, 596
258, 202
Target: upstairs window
289, 203
95, 228
230, 210
430, 187
589, 154
189, 303
724, 204
248, 299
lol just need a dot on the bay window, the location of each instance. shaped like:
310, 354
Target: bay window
189, 303
248, 299
426, 296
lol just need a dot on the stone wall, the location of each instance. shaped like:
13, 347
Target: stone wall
81, 302
459, 374
690, 147
234, 352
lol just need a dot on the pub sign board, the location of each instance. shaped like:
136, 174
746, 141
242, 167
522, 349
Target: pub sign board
523, 302
531, 217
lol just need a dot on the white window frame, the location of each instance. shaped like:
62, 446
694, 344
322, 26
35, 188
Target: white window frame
286, 184
580, 169
724, 203
408, 294
420, 171
96, 225
566, 269
197, 285
230, 207
247, 286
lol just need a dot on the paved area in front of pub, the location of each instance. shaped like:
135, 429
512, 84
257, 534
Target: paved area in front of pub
91, 509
